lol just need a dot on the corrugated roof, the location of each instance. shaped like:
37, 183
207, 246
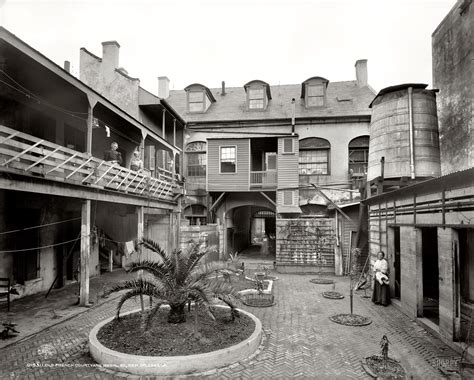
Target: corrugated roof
232, 106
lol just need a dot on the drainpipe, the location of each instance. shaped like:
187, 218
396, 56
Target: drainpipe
411, 132
293, 112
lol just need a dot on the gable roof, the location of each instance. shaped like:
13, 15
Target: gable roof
232, 106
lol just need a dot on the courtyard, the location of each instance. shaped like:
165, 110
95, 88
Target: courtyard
299, 339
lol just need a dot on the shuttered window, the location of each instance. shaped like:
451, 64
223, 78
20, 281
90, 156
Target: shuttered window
287, 145
288, 198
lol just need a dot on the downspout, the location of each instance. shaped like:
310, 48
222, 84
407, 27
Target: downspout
293, 115
411, 132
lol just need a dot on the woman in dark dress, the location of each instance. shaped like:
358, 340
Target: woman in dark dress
381, 292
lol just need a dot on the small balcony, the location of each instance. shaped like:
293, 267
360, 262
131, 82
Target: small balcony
22, 153
263, 179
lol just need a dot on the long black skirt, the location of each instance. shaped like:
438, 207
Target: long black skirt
381, 294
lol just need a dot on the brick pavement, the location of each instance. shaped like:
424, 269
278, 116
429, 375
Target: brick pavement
300, 341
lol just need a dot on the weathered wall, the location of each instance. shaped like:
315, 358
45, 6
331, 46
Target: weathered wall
453, 75
109, 82
305, 245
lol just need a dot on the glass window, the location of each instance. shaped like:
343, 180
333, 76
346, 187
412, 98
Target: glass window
196, 159
315, 95
314, 161
196, 101
256, 98
196, 164
228, 159
359, 155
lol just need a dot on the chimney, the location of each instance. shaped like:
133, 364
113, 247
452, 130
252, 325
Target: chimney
163, 87
223, 88
67, 66
361, 72
110, 55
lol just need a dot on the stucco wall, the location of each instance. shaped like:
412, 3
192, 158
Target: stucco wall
118, 88
453, 75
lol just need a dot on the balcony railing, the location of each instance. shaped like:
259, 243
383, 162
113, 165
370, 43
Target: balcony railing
23, 153
263, 179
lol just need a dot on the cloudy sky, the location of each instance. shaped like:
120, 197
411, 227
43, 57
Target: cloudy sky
208, 41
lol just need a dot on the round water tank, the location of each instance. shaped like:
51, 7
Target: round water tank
390, 133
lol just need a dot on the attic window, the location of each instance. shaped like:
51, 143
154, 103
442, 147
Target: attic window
258, 95
315, 94
196, 101
199, 98
256, 98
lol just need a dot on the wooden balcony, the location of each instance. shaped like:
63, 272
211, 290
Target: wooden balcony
263, 179
25, 154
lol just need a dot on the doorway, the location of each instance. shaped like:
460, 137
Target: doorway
430, 274
397, 287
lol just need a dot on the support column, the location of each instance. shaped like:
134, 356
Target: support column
174, 132
90, 119
85, 253
163, 125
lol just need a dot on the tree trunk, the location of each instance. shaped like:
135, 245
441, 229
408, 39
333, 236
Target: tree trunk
176, 314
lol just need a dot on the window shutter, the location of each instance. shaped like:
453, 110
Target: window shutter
287, 145
288, 198
271, 161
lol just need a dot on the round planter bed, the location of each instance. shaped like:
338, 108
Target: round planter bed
322, 281
350, 319
333, 295
375, 368
172, 365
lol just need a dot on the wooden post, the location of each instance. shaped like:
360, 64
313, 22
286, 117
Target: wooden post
174, 132
85, 253
90, 118
140, 234
111, 260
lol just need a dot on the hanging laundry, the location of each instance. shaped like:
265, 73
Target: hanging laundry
129, 248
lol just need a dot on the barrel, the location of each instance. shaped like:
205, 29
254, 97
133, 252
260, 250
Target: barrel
390, 133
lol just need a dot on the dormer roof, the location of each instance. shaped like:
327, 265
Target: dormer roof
259, 82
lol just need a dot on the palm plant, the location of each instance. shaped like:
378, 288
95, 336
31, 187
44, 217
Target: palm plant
176, 279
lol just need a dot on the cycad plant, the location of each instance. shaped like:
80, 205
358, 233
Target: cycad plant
176, 279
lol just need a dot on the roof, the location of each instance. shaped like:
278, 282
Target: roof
289, 210
70, 79
456, 180
232, 106
398, 87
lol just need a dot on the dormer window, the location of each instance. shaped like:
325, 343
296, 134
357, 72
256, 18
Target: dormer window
313, 91
256, 98
199, 98
258, 95
196, 101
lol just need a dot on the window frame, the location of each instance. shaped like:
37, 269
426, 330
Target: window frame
308, 96
220, 158
194, 148
264, 97
202, 102
292, 145
328, 157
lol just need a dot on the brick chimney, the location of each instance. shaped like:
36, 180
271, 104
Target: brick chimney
361, 72
110, 55
163, 87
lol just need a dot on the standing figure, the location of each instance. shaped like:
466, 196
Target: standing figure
136, 163
381, 292
113, 155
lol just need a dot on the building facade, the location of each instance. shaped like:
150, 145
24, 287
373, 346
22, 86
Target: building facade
65, 212
426, 228
264, 161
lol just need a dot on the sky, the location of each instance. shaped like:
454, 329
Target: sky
209, 41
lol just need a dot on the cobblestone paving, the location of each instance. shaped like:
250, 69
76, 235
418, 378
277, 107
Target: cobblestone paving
300, 341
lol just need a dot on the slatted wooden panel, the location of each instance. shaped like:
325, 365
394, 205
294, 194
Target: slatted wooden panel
303, 241
26, 154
